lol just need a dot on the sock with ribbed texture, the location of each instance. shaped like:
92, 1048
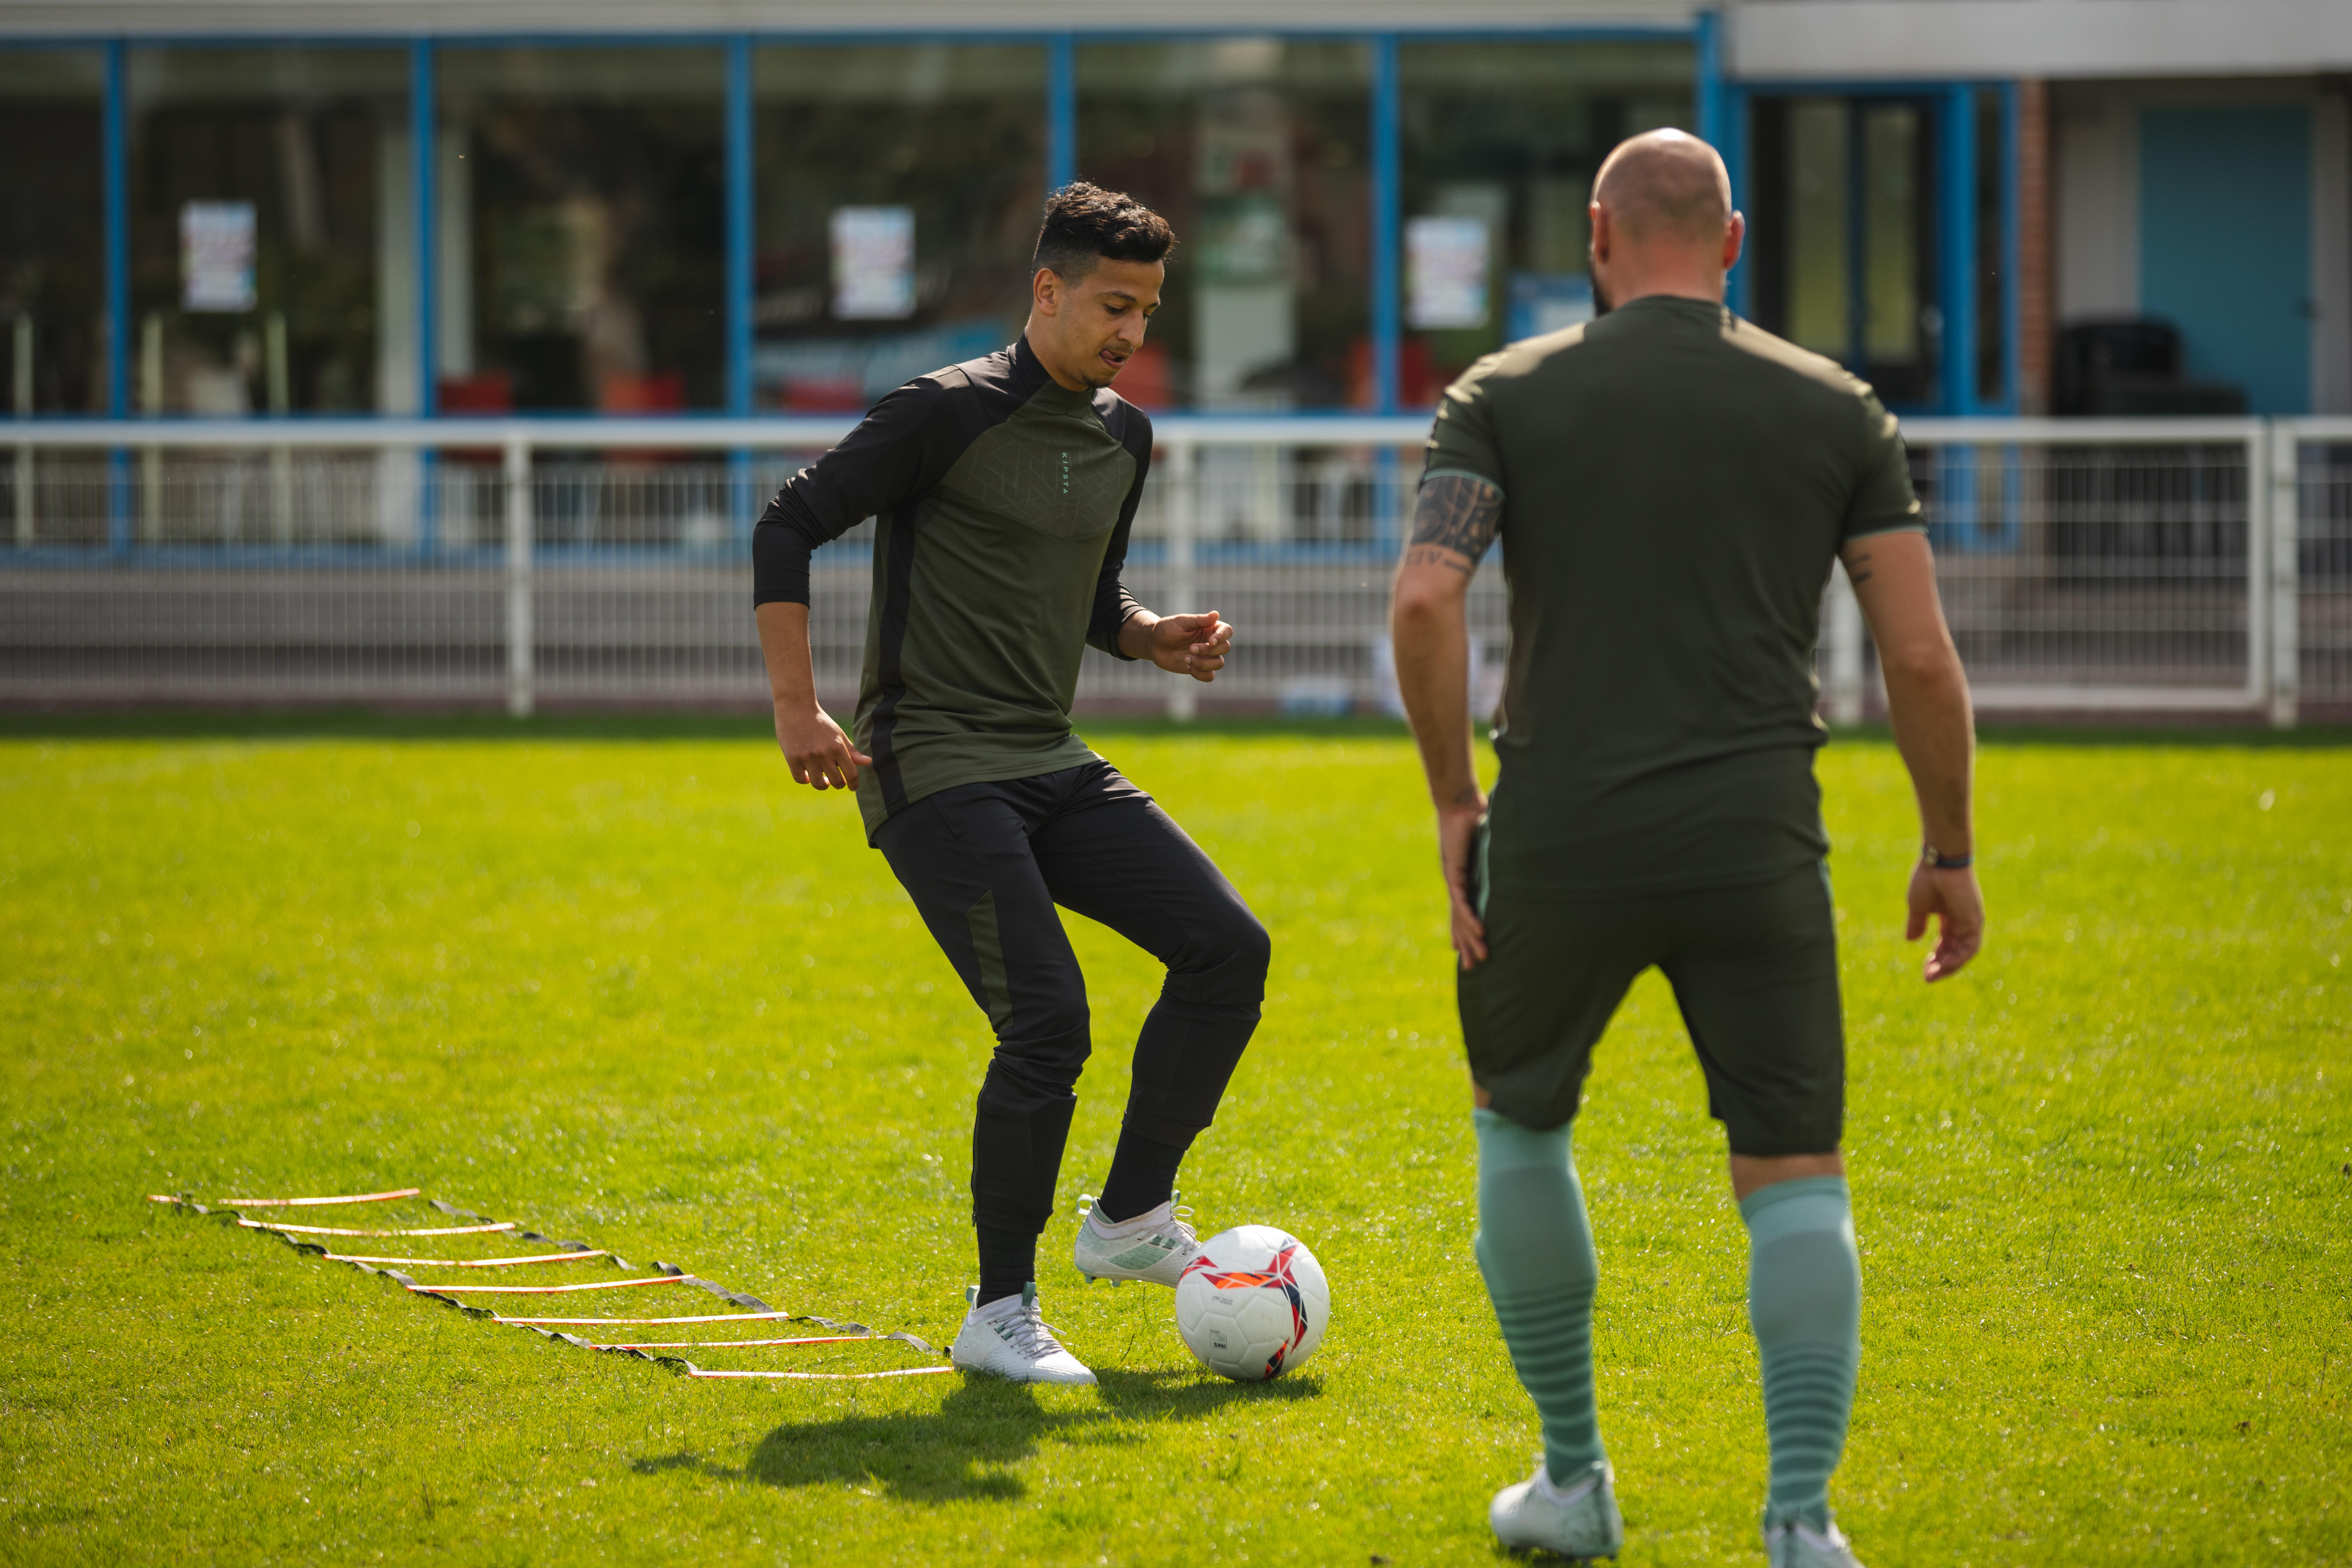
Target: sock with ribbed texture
1535, 1247
1804, 1301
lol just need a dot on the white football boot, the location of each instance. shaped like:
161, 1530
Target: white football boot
1794, 1545
1154, 1246
1580, 1519
1008, 1339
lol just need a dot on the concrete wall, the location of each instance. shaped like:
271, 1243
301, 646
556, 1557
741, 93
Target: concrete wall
401, 19
2331, 251
1940, 39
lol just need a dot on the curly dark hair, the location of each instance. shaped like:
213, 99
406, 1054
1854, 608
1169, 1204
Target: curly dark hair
1084, 223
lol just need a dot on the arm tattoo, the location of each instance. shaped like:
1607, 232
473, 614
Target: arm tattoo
1857, 569
1454, 516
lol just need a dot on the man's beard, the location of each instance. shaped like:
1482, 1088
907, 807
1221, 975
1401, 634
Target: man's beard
1601, 304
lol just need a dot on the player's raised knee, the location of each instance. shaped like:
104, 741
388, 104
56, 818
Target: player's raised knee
1247, 947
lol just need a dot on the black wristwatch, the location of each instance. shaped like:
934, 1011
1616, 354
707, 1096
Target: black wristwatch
1943, 862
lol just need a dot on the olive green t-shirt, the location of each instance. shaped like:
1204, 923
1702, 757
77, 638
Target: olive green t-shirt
1675, 485
1002, 504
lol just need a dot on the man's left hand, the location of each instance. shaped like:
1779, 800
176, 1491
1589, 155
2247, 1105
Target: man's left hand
1953, 899
1189, 645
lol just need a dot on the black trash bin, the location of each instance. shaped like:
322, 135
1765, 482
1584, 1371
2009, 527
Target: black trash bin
2130, 365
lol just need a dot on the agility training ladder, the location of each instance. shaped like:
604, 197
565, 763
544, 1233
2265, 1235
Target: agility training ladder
656, 1275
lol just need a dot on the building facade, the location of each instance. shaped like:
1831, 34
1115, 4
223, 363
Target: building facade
242, 207
444, 351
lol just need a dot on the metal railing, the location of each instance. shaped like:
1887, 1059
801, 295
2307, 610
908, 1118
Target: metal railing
2119, 566
2141, 567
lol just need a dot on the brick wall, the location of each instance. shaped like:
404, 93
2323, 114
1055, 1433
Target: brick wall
2036, 307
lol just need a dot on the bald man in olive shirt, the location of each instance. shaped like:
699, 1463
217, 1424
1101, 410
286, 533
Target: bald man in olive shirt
1670, 486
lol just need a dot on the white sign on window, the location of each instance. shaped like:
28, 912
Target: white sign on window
217, 245
1446, 271
872, 263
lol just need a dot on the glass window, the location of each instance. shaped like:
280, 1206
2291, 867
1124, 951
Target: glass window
52, 219
269, 231
1893, 214
900, 189
1501, 142
1841, 236
580, 226
1254, 149
1820, 285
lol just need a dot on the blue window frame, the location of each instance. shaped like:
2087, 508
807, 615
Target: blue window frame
1948, 259
1974, 376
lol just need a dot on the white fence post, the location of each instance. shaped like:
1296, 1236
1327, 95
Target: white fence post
1844, 625
2260, 444
1183, 516
2284, 585
519, 542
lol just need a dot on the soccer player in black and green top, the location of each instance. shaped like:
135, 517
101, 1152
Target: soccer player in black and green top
1004, 490
1670, 486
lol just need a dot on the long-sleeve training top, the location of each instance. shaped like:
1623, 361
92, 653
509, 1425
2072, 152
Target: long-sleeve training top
1004, 502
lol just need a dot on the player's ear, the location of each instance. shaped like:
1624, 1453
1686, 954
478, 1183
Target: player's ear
1045, 290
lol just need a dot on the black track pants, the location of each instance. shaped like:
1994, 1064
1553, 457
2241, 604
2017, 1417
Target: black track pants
986, 863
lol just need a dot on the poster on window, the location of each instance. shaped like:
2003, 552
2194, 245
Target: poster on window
216, 245
1446, 269
872, 263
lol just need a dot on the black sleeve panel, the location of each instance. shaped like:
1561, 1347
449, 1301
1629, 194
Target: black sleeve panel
1113, 602
901, 449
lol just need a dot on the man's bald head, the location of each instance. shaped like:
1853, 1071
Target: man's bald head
1665, 187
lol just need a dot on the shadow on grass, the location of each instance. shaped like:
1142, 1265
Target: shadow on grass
964, 1448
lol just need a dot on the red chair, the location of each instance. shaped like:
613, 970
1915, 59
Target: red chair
1145, 381
489, 392
486, 392
656, 392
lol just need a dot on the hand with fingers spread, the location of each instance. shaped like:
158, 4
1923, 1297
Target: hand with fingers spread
1193, 645
819, 754
1952, 896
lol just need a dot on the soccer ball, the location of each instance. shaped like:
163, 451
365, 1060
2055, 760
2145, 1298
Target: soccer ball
1252, 1304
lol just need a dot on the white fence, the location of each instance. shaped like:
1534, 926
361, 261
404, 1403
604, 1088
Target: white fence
2148, 568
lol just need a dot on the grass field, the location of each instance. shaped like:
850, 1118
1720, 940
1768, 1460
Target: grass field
633, 990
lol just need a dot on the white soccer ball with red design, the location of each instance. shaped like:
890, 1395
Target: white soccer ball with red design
1252, 1303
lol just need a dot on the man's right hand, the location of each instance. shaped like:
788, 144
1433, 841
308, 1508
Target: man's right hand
1956, 903
1457, 833
819, 754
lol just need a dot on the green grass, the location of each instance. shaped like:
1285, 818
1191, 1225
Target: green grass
631, 988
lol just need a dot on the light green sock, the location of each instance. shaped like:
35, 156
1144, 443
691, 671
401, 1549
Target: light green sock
1535, 1247
1804, 1300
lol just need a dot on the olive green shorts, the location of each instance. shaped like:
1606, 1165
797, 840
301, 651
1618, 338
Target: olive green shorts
1753, 970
